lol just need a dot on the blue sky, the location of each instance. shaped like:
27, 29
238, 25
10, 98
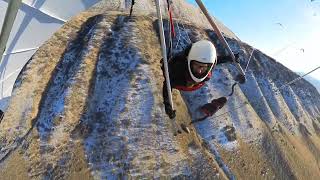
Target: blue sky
288, 30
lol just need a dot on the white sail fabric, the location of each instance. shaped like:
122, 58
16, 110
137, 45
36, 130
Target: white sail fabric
36, 21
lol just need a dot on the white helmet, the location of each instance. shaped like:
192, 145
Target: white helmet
204, 52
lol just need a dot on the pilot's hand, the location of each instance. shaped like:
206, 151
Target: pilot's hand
170, 112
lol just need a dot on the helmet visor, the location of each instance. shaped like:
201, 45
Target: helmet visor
200, 70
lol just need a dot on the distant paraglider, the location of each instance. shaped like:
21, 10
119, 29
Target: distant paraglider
280, 25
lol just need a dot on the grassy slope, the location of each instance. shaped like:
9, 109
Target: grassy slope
281, 155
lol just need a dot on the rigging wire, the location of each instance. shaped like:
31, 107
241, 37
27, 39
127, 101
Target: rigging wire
250, 58
259, 102
183, 27
238, 78
297, 79
245, 70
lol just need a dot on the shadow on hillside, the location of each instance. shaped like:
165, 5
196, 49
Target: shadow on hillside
107, 119
280, 165
62, 77
309, 142
316, 127
52, 99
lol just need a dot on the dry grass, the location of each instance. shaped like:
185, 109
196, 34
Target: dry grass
79, 167
205, 161
16, 167
248, 162
281, 155
292, 156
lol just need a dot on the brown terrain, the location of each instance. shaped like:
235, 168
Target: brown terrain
88, 105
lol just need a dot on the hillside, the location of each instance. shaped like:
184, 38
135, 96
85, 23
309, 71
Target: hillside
315, 82
88, 105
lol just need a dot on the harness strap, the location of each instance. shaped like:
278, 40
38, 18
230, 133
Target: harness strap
172, 33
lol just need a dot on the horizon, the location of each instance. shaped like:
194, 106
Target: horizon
294, 26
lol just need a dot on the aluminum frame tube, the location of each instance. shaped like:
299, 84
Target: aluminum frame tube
11, 14
220, 36
164, 51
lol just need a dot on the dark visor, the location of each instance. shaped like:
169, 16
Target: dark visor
196, 73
